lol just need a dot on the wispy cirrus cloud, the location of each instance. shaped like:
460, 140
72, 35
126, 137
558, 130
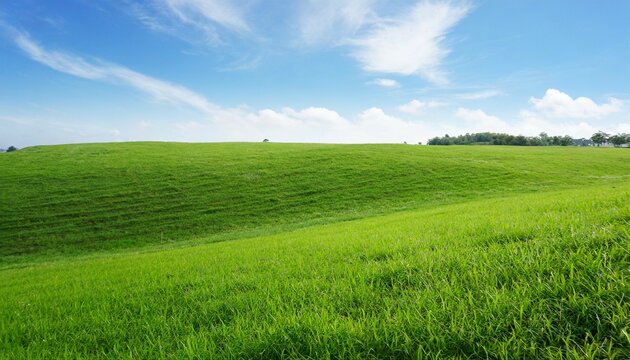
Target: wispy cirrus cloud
100, 70
332, 21
479, 95
227, 13
386, 83
417, 107
194, 21
15, 120
412, 43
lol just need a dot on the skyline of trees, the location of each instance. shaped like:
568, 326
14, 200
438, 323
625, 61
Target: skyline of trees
543, 139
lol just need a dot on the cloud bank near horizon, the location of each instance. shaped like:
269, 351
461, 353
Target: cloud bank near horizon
411, 42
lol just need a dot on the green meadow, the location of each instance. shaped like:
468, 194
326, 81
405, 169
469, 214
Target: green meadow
163, 250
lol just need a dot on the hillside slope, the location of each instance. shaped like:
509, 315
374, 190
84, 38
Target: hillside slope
529, 276
77, 198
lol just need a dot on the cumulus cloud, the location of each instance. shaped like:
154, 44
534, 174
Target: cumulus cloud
310, 124
557, 104
533, 124
103, 71
527, 123
417, 107
411, 43
478, 121
325, 21
372, 125
313, 124
386, 83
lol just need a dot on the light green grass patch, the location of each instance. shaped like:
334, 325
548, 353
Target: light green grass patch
529, 276
66, 200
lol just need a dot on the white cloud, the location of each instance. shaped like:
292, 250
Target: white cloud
310, 124
322, 21
103, 71
417, 107
411, 43
195, 21
479, 95
245, 63
479, 121
202, 13
374, 124
37, 130
555, 103
314, 124
528, 123
532, 124
386, 83
59, 61
15, 120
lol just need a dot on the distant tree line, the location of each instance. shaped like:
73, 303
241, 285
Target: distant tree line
617, 140
489, 138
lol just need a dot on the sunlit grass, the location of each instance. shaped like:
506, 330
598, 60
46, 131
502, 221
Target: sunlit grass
74, 199
530, 276
364, 251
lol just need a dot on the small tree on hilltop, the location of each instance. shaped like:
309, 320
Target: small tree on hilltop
599, 138
11, 148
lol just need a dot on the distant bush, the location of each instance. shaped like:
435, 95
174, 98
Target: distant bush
11, 148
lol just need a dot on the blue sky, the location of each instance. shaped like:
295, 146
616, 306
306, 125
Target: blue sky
310, 70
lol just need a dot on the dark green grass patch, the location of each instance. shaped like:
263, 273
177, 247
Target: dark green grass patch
530, 276
71, 199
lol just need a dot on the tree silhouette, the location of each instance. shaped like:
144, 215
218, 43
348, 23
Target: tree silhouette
599, 138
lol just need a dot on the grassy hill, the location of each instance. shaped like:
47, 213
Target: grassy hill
82, 198
532, 276
339, 251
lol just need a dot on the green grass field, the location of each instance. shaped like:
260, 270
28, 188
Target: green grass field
335, 251
84, 198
